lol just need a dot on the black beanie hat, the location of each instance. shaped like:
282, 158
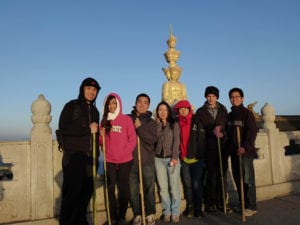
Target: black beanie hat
90, 82
211, 90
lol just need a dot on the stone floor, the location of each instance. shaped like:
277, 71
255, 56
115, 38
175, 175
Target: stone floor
277, 211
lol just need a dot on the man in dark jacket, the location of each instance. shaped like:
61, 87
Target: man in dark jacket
78, 120
147, 133
213, 117
242, 121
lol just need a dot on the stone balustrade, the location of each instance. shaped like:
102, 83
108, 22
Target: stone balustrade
34, 192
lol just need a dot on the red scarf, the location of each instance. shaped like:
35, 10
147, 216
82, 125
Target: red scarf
185, 126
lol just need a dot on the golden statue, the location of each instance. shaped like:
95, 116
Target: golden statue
172, 55
173, 90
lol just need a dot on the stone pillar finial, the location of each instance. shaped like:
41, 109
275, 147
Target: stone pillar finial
268, 116
41, 117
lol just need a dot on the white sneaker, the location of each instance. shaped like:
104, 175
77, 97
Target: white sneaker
250, 212
137, 220
150, 220
166, 218
175, 219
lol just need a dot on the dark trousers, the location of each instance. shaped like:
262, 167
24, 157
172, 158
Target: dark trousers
148, 172
213, 192
248, 179
186, 182
192, 180
118, 176
197, 170
77, 189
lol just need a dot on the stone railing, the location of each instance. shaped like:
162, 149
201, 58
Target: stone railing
34, 192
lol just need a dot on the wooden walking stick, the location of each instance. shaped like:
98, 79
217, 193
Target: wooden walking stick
94, 179
241, 175
105, 178
222, 177
141, 181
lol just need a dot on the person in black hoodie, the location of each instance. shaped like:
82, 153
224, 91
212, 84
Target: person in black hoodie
78, 120
242, 119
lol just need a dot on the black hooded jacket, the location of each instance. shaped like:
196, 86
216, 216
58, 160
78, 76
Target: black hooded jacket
74, 124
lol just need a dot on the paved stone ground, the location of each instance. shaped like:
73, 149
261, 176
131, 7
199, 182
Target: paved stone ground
277, 211
280, 210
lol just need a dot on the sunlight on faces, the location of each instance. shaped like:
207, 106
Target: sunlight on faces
184, 111
112, 105
90, 93
163, 112
142, 105
236, 99
211, 99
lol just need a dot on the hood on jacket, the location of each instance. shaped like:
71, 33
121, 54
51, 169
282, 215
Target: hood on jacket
183, 104
118, 111
88, 82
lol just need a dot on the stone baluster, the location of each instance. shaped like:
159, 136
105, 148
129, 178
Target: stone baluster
276, 143
41, 156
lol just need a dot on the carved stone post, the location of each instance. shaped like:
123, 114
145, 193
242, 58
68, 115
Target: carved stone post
276, 144
41, 160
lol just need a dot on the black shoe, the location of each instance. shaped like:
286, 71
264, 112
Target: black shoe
188, 212
228, 209
121, 221
211, 209
198, 214
113, 222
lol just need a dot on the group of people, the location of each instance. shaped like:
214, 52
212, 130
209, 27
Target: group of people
178, 144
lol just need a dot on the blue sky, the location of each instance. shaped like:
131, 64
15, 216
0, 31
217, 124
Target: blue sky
49, 47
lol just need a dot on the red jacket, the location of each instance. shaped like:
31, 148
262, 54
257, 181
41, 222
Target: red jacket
185, 126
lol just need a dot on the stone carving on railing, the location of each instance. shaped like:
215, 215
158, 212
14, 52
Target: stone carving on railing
268, 116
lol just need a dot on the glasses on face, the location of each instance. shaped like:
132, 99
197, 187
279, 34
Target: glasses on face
235, 97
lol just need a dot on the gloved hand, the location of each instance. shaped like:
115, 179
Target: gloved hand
218, 132
190, 160
241, 151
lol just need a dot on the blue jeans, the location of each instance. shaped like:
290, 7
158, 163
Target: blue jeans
148, 173
168, 178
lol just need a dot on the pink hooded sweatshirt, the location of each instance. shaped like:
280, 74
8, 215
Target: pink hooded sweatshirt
121, 140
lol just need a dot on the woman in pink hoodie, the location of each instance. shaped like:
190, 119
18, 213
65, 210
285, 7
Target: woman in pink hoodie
120, 142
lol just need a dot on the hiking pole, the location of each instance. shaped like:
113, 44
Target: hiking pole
222, 177
241, 174
141, 181
105, 178
94, 178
